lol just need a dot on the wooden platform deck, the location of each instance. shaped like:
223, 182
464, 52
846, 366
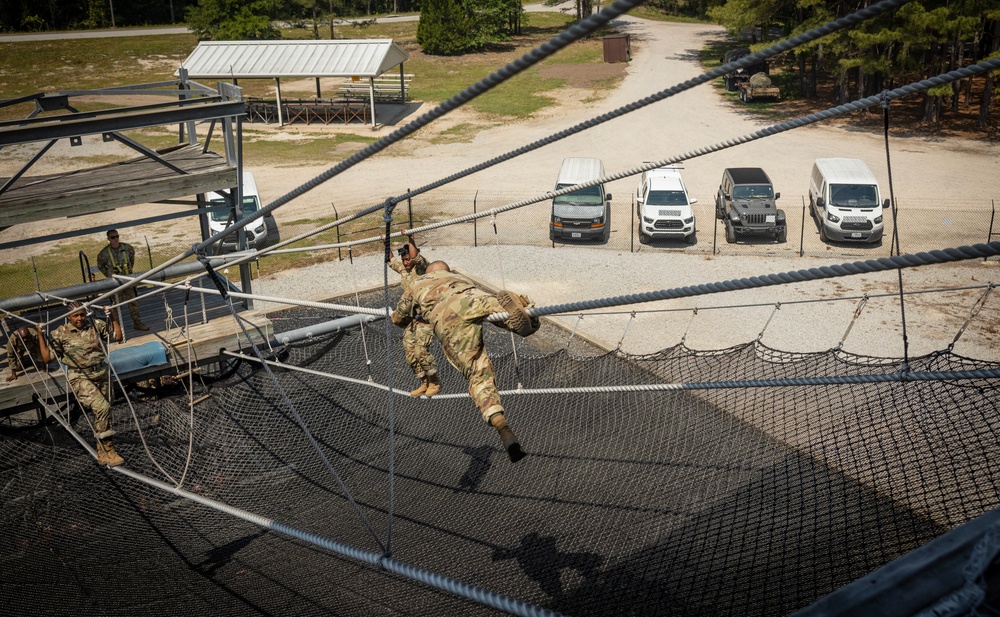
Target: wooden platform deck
211, 328
97, 189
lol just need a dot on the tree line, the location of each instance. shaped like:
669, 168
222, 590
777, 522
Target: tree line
920, 39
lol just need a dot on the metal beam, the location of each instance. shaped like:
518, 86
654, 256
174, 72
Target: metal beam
81, 290
121, 122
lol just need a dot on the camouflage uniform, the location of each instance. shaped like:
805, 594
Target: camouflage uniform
112, 261
455, 307
82, 352
418, 334
23, 354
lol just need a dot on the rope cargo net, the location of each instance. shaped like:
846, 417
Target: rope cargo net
295, 477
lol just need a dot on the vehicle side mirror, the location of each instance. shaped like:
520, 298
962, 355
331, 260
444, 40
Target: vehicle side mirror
608, 197
819, 202
777, 195
692, 200
885, 204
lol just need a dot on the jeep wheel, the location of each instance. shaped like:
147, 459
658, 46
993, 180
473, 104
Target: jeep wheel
730, 233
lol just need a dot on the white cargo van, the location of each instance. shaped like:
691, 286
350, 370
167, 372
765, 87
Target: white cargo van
260, 233
583, 214
664, 206
845, 200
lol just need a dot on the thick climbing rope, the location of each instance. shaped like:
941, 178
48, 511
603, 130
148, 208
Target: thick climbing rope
214, 277
796, 276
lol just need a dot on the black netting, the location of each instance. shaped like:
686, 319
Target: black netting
754, 501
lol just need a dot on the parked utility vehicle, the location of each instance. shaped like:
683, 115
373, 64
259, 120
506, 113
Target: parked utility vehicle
584, 214
260, 233
845, 200
664, 206
746, 202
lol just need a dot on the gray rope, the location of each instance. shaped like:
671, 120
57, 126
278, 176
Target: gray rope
900, 376
797, 276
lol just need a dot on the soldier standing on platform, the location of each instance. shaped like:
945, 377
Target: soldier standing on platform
119, 258
455, 308
23, 352
78, 344
418, 334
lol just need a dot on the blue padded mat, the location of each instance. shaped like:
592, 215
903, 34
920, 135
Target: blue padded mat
131, 359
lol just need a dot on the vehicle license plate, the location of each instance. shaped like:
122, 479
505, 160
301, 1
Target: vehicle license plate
576, 234
769, 218
855, 235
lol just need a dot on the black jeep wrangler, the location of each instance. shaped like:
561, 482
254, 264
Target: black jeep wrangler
745, 201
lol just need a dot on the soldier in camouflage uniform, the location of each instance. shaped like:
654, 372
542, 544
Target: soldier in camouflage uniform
23, 352
78, 344
456, 309
418, 334
119, 258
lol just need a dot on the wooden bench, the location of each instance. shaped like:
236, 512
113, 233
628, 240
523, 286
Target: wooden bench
386, 89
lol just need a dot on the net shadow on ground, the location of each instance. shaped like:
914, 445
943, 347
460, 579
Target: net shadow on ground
728, 503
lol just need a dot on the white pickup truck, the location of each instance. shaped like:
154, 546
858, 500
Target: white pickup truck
664, 207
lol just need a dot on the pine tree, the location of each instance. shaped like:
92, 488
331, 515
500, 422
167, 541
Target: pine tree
445, 28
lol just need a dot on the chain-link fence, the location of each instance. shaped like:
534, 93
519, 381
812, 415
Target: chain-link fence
922, 225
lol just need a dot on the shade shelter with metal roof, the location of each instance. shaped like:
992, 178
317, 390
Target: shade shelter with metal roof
369, 58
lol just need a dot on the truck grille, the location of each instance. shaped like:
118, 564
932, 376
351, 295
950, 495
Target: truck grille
754, 219
857, 226
669, 224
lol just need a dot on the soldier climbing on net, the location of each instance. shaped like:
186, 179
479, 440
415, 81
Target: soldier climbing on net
418, 334
455, 308
78, 346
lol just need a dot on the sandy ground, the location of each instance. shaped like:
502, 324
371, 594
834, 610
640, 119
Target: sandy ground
927, 173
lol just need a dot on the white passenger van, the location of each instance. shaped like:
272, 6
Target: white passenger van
583, 214
664, 206
844, 199
260, 233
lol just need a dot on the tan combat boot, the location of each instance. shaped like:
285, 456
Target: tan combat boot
507, 438
420, 390
433, 385
106, 450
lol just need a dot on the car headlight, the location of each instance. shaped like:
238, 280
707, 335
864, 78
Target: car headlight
689, 220
878, 219
833, 218
646, 219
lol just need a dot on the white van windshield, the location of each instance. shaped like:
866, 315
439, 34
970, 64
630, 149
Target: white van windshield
853, 195
667, 198
249, 207
589, 195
